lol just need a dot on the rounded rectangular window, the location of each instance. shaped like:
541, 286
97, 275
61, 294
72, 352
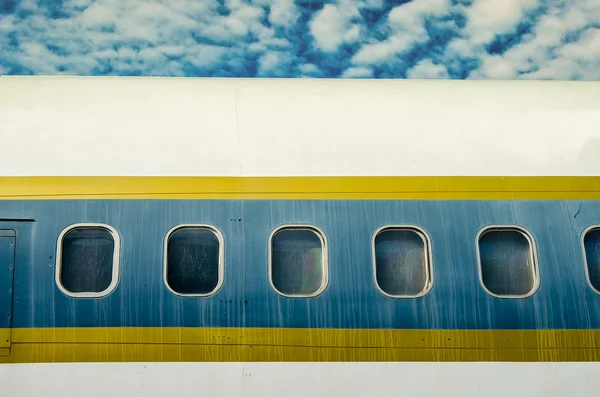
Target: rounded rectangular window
507, 262
87, 260
402, 262
591, 244
194, 260
298, 261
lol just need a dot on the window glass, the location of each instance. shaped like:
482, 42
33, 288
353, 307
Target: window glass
193, 261
87, 260
591, 243
401, 262
297, 261
506, 259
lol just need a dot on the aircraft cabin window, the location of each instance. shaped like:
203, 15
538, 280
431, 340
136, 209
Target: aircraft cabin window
194, 260
298, 261
507, 262
591, 243
87, 260
402, 262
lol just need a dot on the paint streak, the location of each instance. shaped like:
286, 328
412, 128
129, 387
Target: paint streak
261, 344
584, 188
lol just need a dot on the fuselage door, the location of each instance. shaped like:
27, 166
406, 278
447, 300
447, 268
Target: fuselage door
7, 265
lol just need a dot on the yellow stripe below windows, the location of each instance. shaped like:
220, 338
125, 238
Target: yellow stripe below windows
274, 344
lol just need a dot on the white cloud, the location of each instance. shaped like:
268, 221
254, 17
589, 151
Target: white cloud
29, 5
587, 48
193, 9
284, 13
358, 72
488, 18
152, 55
226, 29
309, 68
545, 53
126, 53
271, 63
99, 15
373, 4
202, 55
561, 69
277, 42
236, 25
150, 22
332, 26
407, 25
7, 23
591, 10
574, 61
385, 51
411, 16
426, 69
498, 68
459, 48
171, 50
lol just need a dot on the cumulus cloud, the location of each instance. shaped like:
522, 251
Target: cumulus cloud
310, 70
284, 13
579, 60
333, 26
486, 19
357, 72
406, 24
383, 51
273, 64
432, 39
426, 69
562, 44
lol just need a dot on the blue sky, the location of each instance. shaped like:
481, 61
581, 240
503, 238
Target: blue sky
457, 39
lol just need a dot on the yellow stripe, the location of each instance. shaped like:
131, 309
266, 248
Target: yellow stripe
268, 344
548, 188
4, 337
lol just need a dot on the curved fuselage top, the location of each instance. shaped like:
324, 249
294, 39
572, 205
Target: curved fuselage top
114, 126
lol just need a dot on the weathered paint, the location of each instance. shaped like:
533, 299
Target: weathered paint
7, 257
351, 300
355, 187
269, 344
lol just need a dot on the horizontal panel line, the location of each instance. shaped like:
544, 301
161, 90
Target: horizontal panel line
466, 195
171, 344
305, 192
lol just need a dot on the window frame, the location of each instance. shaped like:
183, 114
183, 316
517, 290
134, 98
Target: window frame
221, 266
585, 258
428, 253
532, 251
324, 260
115, 266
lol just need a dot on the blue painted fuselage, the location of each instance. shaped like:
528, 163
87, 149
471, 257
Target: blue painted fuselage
457, 300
